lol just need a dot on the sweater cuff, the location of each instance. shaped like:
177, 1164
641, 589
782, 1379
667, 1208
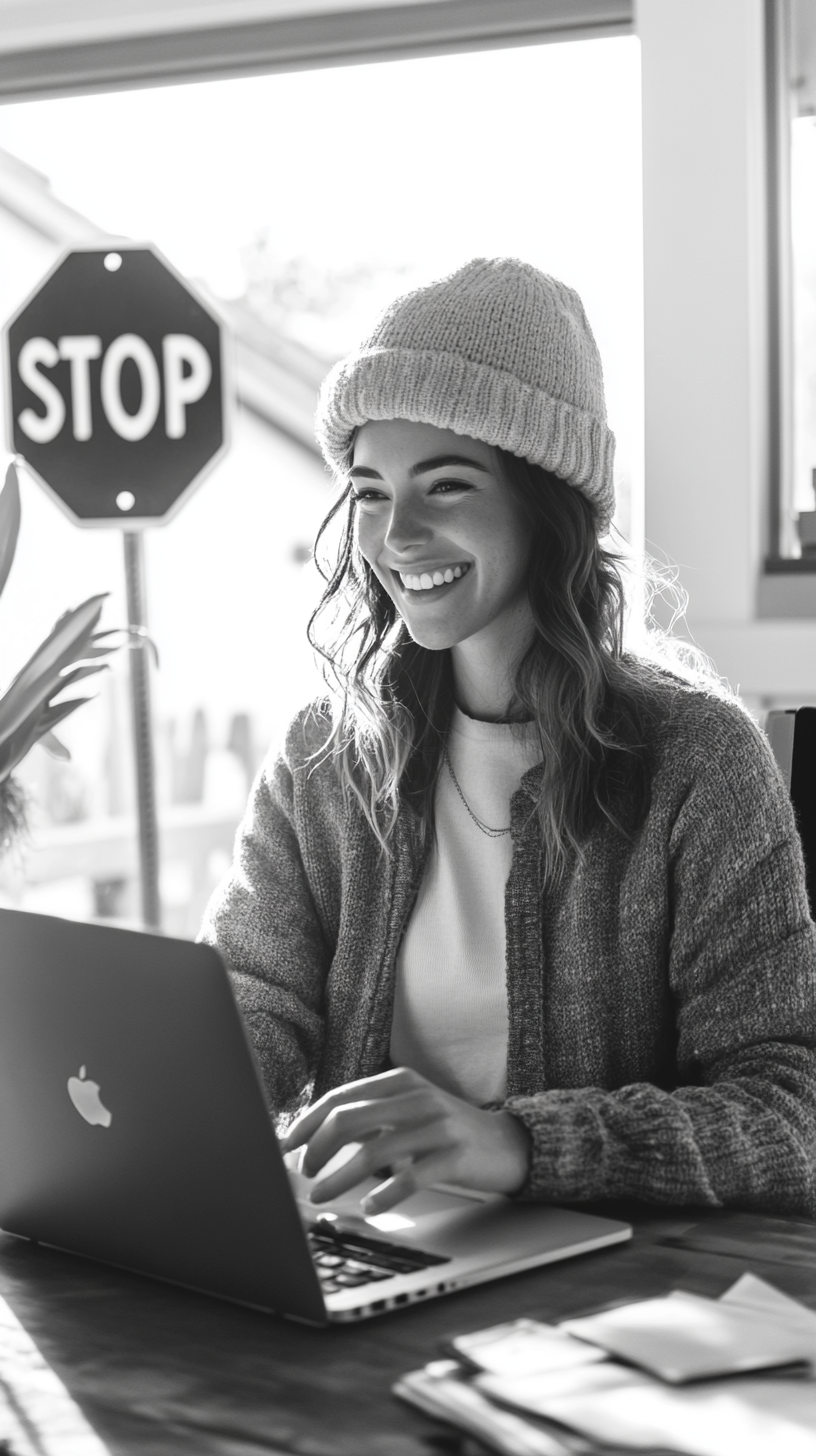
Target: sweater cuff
568, 1148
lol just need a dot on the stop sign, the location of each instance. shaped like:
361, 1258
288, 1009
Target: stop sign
115, 385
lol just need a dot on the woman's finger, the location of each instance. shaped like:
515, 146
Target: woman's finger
384, 1085
358, 1122
435, 1167
380, 1150
343, 1125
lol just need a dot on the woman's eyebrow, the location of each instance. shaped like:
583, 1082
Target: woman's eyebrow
439, 460
365, 473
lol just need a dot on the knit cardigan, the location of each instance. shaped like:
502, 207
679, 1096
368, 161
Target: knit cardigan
661, 1000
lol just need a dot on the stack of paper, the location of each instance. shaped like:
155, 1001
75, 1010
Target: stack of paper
683, 1388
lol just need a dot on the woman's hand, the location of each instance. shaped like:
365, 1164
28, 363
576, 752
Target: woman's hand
422, 1134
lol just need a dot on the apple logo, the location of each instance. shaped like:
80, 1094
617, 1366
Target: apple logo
86, 1100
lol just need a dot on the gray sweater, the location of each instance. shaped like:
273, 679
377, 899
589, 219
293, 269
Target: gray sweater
662, 1000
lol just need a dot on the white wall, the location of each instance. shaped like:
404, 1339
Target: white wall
706, 448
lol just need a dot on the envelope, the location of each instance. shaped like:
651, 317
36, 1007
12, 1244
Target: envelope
685, 1337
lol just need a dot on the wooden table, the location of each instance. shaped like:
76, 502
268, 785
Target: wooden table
158, 1371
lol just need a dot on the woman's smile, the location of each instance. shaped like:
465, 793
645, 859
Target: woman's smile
427, 582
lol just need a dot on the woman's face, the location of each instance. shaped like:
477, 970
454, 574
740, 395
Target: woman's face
443, 533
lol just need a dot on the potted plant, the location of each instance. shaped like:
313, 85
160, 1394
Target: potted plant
33, 705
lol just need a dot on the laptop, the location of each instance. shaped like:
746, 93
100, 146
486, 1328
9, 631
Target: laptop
134, 1130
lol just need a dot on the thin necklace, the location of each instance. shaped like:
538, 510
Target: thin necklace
485, 828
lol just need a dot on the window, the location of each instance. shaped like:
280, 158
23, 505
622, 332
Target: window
301, 201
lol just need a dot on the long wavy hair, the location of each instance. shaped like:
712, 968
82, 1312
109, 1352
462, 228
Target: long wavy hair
589, 699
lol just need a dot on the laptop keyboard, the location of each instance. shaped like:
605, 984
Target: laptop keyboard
345, 1260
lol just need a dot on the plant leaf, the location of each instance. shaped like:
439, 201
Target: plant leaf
69, 631
16, 745
134, 637
86, 669
55, 746
55, 714
36, 726
40, 722
37, 680
90, 652
9, 523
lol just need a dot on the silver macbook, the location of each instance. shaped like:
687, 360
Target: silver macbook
134, 1130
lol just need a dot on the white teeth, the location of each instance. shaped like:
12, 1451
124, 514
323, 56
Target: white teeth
427, 580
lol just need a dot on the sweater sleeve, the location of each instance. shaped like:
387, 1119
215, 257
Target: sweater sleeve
739, 1128
264, 921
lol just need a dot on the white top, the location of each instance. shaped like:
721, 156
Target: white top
450, 1006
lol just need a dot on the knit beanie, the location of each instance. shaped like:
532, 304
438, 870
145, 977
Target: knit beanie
498, 351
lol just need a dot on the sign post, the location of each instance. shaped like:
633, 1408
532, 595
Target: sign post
142, 729
116, 399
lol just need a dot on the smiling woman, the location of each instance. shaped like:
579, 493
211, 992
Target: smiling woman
514, 908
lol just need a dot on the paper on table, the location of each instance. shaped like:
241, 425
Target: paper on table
753, 1293
685, 1337
524, 1347
751, 1416
37, 1415
437, 1391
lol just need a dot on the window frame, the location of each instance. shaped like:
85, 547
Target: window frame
300, 42
779, 561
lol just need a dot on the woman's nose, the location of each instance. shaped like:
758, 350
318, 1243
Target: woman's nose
407, 526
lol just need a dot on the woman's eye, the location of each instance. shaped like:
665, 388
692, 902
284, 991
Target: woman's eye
444, 487
369, 495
